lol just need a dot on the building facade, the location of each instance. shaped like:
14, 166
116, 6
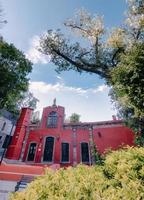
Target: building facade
7, 127
52, 141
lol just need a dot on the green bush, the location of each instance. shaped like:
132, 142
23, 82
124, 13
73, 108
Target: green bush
121, 177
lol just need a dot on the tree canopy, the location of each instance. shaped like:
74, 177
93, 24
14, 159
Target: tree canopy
128, 79
97, 53
14, 69
74, 118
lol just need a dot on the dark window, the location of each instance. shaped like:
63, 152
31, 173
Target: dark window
31, 153
48, 150
65, 152
85, 152
7, 141
3, 127
99, 134
52, 120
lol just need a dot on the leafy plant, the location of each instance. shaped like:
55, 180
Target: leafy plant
120, 177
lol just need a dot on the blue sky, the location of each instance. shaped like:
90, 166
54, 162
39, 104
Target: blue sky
27, 19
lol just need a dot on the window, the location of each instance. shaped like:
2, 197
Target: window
31, 153
48, 150
85, 152
65, 152
52, 120
99, 134
7, 141
3, 127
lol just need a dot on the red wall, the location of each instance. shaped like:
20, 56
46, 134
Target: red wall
110, 135
109, 138
60, 111
14, 150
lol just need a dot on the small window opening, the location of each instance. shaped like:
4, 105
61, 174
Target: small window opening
99, 134
3, 127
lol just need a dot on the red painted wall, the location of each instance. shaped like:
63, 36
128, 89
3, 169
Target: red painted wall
112, 137
60, 111
14, 150
106, 135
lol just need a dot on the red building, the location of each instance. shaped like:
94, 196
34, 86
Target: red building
52, 141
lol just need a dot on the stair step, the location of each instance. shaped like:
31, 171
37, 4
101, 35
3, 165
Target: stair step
22, 184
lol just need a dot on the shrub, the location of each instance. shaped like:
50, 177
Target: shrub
120, 177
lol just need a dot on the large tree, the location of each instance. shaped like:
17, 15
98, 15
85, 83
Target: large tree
127, 78
14, 68
88, 56
95, 53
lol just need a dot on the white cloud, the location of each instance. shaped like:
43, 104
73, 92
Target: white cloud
34, 55
60, 78
45, 88
93, 104
101, 88
61, 87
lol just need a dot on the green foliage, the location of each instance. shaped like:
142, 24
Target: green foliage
128, 90
66, 55
128, 79
94, 52
97, 157
14, 68
120, 177
74, 118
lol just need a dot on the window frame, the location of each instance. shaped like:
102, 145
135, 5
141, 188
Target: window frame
3, 126
29, 149
44, 143
6, 141
68, 154
52, 125
86, 162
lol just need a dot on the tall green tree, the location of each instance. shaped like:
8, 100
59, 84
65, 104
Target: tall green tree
74, 118
14, 69
127, 79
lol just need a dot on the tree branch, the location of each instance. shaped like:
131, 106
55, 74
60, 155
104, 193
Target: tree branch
91, 68
119, 50
74, 26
